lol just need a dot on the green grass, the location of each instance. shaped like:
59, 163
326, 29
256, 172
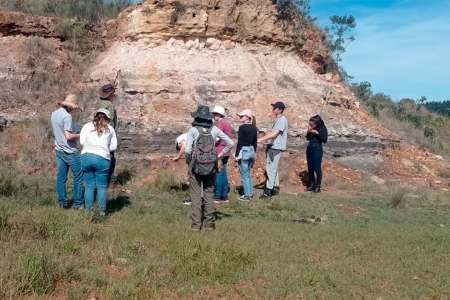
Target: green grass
144, 250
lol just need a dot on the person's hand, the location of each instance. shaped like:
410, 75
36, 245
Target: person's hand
314, 131
260, 140
175, 158
236, 159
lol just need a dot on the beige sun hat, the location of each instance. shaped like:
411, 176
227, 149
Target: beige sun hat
70, 101
103, 111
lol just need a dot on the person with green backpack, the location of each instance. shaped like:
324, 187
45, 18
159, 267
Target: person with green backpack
202, 157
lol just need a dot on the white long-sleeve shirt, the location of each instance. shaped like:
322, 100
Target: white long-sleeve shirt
100, 145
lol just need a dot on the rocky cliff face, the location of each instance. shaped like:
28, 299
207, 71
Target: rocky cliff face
229, 53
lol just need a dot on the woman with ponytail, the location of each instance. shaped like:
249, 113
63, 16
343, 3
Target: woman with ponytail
246, 151
317, 134
98, 139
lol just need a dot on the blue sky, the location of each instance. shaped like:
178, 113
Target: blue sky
402, 47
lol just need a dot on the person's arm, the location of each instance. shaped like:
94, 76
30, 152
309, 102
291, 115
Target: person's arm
322, 135
113, 143
308, 135
181, 152
227, 140
83, 136
239, 142
188, 149
272, 135
255, 140
69, 135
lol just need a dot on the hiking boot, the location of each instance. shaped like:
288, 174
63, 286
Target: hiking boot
275, 191
187, 202
244, 198
194, 229
317, 189
267, 194
311, 188
64, 206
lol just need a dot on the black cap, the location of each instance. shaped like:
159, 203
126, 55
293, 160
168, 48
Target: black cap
279, 105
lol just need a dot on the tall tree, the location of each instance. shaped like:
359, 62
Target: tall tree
341, 27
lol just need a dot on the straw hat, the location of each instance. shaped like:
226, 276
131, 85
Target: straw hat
70, 101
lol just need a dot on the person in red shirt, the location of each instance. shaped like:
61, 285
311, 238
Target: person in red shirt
221, 193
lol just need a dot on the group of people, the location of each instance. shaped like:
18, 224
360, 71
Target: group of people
206, 147
95, 163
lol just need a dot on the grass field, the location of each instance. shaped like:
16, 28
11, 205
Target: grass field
371, 245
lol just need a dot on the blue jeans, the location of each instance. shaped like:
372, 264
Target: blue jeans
314, 154
222, 181
245, 164
64, 161
95, 172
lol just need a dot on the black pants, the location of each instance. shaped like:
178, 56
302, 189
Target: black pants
112, 166
314, 154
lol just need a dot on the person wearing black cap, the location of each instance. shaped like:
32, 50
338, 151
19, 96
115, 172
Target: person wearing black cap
276, 143
203, 134
106, 95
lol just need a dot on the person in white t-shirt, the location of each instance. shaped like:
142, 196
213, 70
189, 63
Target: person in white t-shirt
98, 139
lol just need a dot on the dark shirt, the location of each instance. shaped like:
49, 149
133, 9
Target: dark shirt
247, 136
320, 138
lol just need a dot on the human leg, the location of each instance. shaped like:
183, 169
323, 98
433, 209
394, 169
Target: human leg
310, 162
208, 200
317, 157
89, 179
74, 160
196, 201
102, 167
61, 178
112, 166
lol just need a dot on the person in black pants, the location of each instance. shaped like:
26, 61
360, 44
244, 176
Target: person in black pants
317, 134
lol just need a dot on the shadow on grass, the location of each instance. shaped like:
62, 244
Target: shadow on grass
220, 215
118, 203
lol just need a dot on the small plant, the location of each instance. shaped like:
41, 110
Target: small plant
418, 167
166, 181
179, 10
35, 274
4, 215
36, 46
8, 179
444, 173
68, 30
398, 198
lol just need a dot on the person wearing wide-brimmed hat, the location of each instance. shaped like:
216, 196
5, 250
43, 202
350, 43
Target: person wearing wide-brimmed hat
276, 142
106, 94
203, 123
67, 153
221, 188
98, 139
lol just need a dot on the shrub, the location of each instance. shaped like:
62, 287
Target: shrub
69, 30
8, 179
398, 197
36, 46
444, 173
35, 274
179, 10
166, 181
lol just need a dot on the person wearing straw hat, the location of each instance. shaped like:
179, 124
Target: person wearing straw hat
67, 153
106, 95
221, 188
98, 139
246, 151
202, 130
